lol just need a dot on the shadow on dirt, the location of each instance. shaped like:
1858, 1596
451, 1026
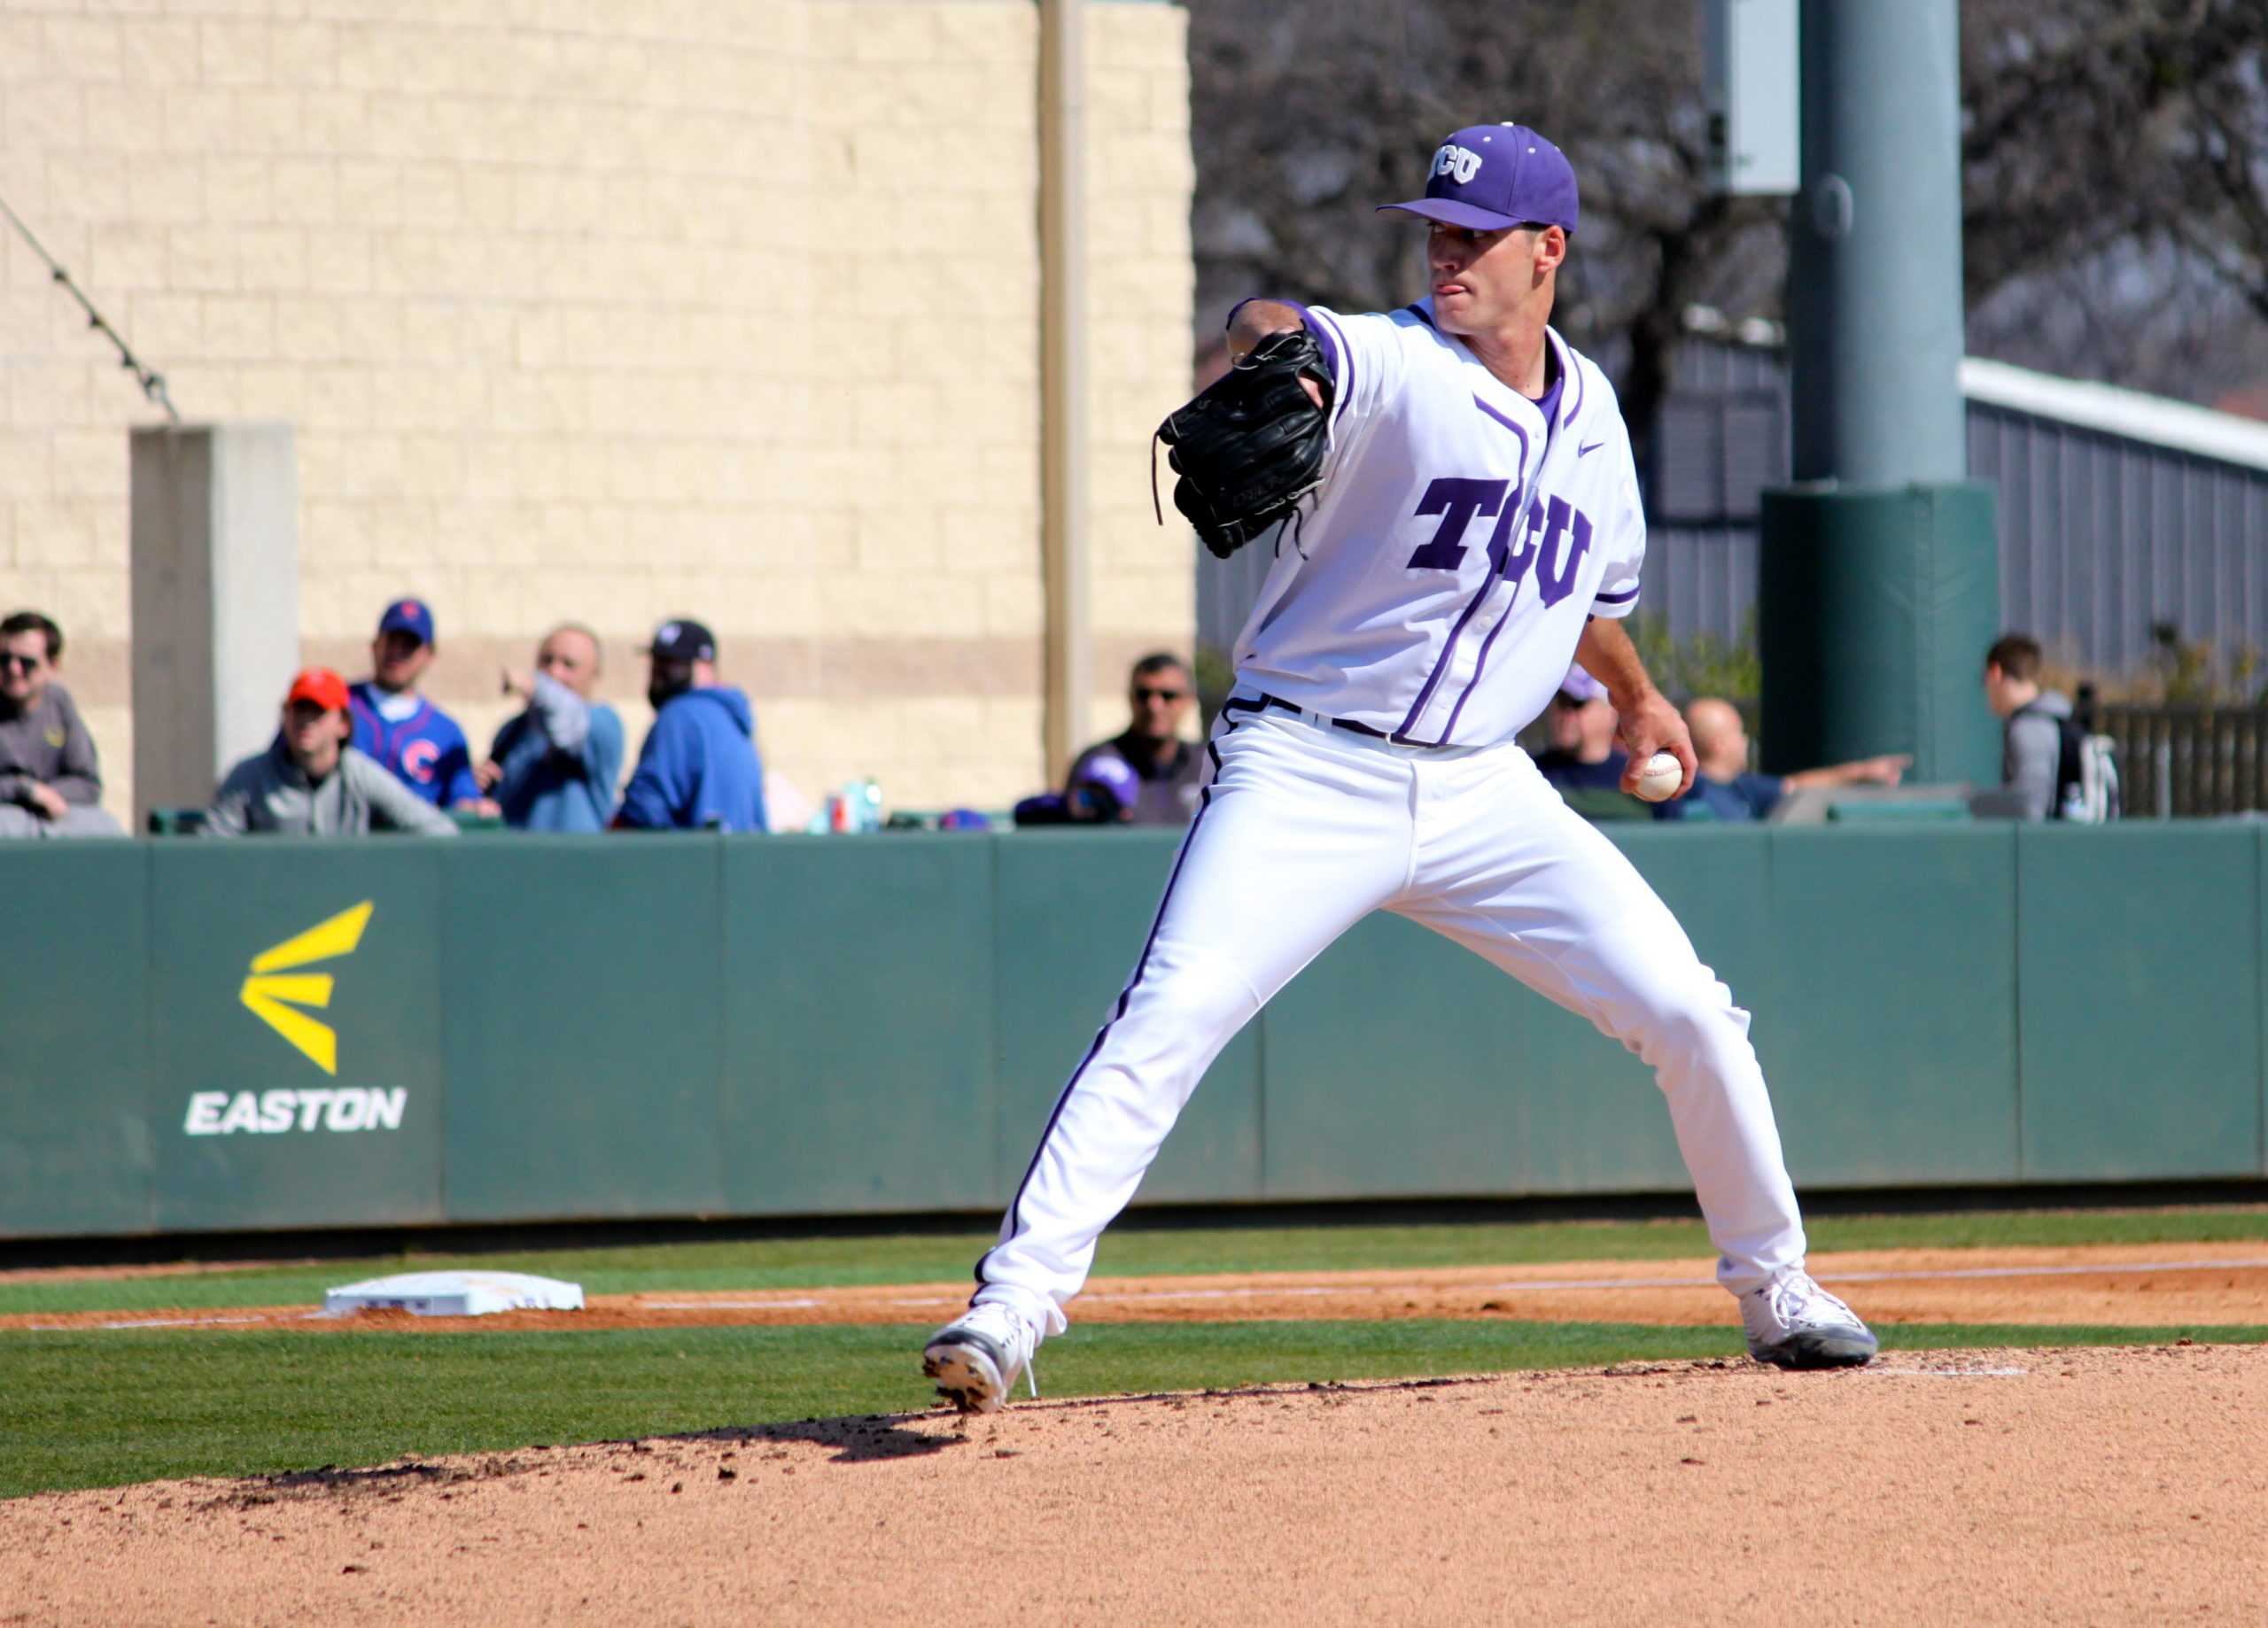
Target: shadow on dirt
388, 1481
859, 1439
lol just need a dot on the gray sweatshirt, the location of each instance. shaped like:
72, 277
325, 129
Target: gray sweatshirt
2032, 752
47, 743
267, 795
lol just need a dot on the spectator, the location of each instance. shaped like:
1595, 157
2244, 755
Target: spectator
1582, 756
310, 782
555, 766
2032, 719
698, 768
50, 778
1149, 775
405, 732
1726, 788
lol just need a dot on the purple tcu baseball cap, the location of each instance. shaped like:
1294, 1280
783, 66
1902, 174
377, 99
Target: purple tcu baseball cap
1489, 177
1113, 778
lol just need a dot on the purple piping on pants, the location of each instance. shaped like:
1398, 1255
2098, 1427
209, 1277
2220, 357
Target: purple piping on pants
1125, 996
1515, 502
1342, 371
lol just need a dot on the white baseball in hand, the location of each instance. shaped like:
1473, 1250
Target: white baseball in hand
1662, 777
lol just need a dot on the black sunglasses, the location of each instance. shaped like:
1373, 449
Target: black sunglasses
21, 664
1142, 692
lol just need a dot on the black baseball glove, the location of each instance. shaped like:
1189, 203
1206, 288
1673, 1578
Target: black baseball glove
1251, 445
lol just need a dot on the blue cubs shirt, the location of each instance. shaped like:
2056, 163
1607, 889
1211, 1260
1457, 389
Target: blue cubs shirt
425, 751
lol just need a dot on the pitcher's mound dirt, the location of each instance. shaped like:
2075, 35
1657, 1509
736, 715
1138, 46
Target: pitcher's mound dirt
2004, 1486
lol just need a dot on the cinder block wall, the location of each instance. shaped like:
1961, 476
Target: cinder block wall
610, 313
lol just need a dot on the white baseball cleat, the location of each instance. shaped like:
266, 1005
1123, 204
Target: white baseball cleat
976, 1359
1794, 1323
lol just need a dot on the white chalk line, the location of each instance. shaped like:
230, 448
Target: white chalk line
1247, 1291
1310, 1292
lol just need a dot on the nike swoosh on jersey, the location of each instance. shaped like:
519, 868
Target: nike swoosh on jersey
1583, 451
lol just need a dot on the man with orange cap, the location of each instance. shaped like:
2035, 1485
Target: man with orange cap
310, 782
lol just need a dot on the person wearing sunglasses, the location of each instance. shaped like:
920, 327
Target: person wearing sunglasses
1149, 775
51, 778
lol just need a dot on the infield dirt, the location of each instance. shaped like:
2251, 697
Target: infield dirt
1998, 1487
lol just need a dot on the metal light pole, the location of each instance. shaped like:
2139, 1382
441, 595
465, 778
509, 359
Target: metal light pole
1878, 589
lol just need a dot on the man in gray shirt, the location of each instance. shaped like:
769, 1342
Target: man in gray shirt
1148, 776
2032, 750
309, 782
50, 780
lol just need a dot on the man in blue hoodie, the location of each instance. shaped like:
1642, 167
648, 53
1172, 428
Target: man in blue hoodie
698, 768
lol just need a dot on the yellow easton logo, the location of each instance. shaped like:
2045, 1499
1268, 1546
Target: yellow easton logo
273, 989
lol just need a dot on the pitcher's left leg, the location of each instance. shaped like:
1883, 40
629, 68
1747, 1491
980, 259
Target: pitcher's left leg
1567, 915
1513, 875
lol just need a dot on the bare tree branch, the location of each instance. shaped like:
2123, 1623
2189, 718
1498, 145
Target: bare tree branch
2115, 159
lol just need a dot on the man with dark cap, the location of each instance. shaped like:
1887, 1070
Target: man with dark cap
698, 768
405, 732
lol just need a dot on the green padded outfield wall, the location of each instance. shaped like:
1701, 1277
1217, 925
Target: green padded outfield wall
859, 1024
2139, 1001
583, 1033
1072, 911
79, 1142
1888, 1031
325, 1103
1874, 609
230, 1037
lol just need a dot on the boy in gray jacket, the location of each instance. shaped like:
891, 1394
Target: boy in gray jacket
2032, 719
309, 782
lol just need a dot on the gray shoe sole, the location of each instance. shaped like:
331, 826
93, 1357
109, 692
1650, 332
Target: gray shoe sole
1821, 1348
968, 1368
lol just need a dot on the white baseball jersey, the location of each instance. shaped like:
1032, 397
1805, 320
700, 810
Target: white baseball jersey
1459, 543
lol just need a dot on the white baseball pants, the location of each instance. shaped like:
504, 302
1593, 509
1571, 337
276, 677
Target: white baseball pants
1306, 829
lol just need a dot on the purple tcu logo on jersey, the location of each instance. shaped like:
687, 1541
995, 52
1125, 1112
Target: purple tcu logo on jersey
1558, 535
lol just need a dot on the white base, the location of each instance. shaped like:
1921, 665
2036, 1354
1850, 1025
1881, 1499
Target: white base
456, 1294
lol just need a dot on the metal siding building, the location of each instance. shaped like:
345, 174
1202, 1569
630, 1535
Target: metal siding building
2117, 510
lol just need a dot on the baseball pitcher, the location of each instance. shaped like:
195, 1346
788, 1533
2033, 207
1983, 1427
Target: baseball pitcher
1459, 518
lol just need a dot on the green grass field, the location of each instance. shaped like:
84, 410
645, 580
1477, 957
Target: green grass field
101, 1408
